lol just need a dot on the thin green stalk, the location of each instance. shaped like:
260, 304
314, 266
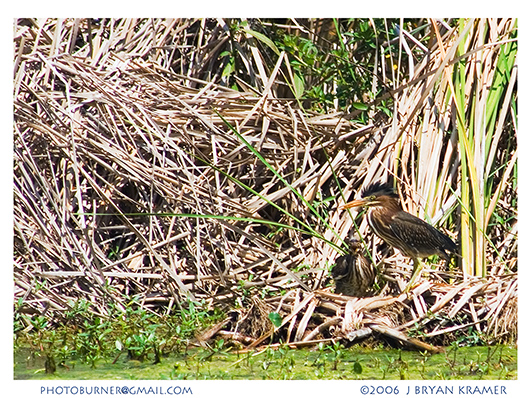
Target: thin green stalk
469, 181
286, 183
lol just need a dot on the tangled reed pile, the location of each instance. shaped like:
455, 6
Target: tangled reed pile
133, 180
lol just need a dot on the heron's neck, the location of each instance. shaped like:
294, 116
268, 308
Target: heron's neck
384, 211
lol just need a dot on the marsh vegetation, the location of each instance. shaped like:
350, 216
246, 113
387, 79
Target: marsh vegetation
177, 185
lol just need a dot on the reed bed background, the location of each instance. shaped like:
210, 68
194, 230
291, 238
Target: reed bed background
166, 161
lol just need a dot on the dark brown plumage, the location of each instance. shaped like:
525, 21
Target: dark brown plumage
412, 236
353, 273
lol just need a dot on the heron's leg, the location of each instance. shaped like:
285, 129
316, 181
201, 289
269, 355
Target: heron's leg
417, 268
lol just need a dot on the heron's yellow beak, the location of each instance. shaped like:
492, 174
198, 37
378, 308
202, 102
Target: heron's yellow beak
354, 203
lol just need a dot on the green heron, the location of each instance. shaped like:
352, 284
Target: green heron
353, 274
412, 236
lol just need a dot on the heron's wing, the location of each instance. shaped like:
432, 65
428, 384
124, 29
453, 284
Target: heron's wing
419, 234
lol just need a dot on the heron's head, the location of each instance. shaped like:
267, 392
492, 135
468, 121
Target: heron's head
378, 194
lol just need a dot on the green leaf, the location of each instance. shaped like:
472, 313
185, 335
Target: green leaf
229, 68
357, 368
298, 85
360, 106
275, 318
264, 39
